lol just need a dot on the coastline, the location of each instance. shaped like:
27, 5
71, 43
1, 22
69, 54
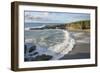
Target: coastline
81, 49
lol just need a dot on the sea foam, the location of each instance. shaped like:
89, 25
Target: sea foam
53, 42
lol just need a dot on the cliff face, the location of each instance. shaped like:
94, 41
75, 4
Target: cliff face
78, 25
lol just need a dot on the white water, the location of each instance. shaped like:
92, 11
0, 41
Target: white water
54, 42
28, 28
81, 37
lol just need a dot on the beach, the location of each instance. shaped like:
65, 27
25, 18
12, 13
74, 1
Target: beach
81, 50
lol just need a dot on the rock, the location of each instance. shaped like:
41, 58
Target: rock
34, 54
42, 57
25, 48
26, 59
38, 58
33, 48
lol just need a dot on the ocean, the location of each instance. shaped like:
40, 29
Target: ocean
52, 42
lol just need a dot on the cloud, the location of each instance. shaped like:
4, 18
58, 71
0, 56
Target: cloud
38, 16
32, 17
54, 17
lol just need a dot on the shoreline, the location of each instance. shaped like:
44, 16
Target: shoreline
80, 51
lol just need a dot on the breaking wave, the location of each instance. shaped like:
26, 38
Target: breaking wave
29, 28
53, 42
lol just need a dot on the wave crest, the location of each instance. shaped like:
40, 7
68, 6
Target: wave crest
53, 42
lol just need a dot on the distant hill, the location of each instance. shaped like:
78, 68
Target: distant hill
83, 25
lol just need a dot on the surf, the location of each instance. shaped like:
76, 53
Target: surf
53, 42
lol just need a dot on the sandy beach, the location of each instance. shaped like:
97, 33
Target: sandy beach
81, 50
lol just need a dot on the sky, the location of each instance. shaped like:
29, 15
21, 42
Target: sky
54, 17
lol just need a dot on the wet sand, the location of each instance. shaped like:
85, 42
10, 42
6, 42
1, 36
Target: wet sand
80, 50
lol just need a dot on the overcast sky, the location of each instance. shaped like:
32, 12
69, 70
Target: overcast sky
54, 17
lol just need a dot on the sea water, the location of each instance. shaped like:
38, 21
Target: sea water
53, 42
